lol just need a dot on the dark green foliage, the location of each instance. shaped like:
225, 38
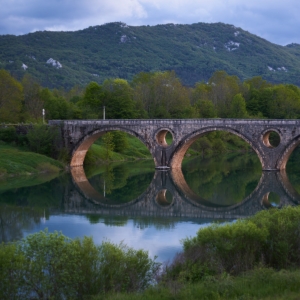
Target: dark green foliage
51, 266
41, 139
270, 238
8, 134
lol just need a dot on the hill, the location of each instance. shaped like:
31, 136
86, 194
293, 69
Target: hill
113, 50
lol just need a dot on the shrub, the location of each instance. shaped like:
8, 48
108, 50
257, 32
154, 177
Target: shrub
8, 134
51, 266
270, 238
41, 139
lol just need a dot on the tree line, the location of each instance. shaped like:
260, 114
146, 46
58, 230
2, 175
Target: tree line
148, 95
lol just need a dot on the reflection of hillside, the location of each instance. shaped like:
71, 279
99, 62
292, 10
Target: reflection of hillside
223, 180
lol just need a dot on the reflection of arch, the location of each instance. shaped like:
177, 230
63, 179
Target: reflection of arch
85, 188
276, 182
80, 150
187, 141
286, 153
185, 202
188, 193
161, 198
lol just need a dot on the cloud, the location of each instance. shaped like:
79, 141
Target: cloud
274, 20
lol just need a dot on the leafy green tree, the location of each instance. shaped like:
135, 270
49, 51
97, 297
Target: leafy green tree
33, 103
223, 88
205, 109
41, 139
11, 96
120, 141
238, 107
285, 103
92, 102
108, 144
119, 102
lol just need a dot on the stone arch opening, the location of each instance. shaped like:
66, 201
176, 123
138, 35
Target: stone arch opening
271, 138
287, 152
82, 147
164, 198
164, 137
270, 200
180, 151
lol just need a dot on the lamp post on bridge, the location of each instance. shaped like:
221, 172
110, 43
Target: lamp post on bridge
43, 116
103, 112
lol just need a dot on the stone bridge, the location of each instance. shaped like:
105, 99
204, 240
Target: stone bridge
84, 199
79, 135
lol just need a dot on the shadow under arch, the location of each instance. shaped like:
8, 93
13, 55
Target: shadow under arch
277, 182
286, 153
82, 147
188, 140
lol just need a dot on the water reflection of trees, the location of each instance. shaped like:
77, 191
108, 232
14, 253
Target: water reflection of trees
13, 220
22, 208
122, 183
224, 180
293, 169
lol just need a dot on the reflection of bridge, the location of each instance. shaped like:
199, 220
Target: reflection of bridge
78, 136
83, 198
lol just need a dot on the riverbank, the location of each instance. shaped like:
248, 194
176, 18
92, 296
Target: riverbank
254, 258
15, 161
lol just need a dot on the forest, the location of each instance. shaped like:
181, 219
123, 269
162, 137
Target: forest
149, 95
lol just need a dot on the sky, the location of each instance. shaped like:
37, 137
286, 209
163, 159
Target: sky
274, 20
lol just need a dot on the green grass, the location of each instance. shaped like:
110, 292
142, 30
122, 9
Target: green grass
135, 150
260, 283
14, 161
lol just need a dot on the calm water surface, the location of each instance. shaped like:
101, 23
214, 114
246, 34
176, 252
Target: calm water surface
131, 202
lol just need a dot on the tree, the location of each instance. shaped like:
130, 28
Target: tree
206, 109
118, 101
92, 102
41, 139
238, 107
223, 89
33, 104
11, 95
108, 143
119, 140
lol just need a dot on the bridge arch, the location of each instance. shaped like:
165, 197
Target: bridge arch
286, 153
188, 140
83, 145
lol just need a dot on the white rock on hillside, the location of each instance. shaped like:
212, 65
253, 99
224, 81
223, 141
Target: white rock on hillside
54, 63
231, 46
24, 67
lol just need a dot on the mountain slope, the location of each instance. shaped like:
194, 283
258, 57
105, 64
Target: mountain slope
117, 50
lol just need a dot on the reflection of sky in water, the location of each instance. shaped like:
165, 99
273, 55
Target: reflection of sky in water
163, 243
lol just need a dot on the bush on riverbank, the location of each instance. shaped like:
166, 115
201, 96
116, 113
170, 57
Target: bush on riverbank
256, 258
270, 238
51, 266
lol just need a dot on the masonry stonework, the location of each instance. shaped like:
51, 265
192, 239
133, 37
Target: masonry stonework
79, 135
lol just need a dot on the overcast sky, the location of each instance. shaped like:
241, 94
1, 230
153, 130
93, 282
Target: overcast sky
275, 20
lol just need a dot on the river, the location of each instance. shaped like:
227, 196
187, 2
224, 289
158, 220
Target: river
132, 203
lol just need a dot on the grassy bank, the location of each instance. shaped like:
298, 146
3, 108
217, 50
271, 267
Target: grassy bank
16, 162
